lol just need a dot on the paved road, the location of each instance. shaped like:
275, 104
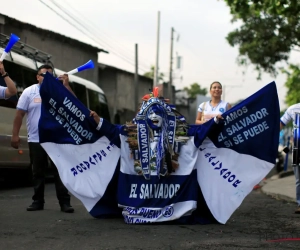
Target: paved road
258, 217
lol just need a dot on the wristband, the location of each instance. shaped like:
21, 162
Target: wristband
5, 75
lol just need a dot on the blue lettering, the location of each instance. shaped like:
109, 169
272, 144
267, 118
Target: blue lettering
223, 170
237, 182
95, 157
99, 156
74, 171
92, 161
103, 153
230, 177
87, 164
81, 165
220, 166
79, 169
84, 165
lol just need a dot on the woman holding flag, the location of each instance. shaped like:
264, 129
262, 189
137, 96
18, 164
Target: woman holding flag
215, 106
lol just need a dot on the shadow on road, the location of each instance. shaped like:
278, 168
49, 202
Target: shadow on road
16, 178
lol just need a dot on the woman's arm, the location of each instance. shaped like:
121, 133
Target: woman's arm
228, 106
199, 119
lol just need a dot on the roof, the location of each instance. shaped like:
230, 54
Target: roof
103, 66
49, 33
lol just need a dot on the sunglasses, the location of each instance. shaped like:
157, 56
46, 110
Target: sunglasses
43, 74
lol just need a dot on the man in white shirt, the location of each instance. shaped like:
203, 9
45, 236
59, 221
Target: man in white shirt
287, 117
10, 90
30, 103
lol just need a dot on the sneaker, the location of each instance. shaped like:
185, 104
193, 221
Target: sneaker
66, 208
297, 211
35, 206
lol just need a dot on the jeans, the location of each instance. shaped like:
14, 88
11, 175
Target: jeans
297, 175
39, 159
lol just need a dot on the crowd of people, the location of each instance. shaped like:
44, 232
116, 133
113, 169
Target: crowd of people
30, 102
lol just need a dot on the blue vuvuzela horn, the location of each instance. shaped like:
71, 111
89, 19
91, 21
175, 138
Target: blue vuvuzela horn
12, 40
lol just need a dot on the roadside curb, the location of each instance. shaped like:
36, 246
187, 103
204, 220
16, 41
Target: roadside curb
286, 173
278, 196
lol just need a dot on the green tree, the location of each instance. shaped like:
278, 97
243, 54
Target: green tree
150, 74
270, 30
194, 90
293, 84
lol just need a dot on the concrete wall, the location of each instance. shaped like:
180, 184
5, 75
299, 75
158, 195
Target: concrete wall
189, 106
67, 53
119, 88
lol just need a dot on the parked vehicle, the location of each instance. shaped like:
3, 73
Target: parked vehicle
22, 69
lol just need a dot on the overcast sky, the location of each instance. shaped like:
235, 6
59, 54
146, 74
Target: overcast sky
117, 25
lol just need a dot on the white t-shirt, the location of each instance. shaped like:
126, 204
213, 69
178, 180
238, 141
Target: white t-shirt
2, 92
30, 101
210, 111
290, 114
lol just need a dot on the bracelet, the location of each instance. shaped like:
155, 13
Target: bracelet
5, 75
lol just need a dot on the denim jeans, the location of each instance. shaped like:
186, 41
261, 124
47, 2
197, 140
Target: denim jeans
39, 159
297, 175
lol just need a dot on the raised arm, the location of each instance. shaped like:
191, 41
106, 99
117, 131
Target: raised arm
65, 79
11, 89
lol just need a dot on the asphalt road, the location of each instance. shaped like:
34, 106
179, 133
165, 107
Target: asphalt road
259, 219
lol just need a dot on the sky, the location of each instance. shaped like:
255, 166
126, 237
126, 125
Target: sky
201, 27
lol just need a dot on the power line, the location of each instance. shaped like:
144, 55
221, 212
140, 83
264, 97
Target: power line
88, 35
81, 23
111, 39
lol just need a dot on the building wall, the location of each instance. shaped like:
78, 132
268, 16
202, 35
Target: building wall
119, 88
67, 53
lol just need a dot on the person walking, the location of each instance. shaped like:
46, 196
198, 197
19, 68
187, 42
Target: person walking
30, 103
287, 117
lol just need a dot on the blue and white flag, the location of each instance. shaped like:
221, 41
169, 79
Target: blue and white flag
97, 166
237, 157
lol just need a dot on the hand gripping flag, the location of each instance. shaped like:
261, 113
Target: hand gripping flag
98, 168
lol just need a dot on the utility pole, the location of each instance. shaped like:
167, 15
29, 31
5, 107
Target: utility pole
136, 80
170, 96
155, 78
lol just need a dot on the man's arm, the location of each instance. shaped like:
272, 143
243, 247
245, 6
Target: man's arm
11, 87
15, 139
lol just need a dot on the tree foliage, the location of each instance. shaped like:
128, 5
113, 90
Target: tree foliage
150, 74
270, 30
292, 84
195, 89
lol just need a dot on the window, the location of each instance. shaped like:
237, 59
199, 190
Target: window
29, 77
80, 92
98, 104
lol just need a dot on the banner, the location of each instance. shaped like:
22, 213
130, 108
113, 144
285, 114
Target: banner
240, 154
218, 166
